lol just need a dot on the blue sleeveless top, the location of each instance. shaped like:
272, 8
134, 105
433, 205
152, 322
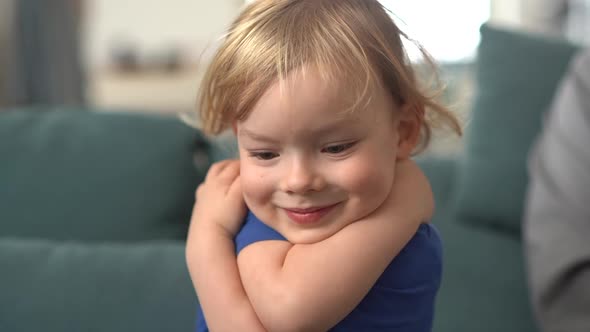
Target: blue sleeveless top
402, 299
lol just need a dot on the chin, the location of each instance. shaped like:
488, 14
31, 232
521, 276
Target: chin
309, 236
315, 235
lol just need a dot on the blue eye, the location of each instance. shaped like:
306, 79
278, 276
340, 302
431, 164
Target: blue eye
264, 155
339, 148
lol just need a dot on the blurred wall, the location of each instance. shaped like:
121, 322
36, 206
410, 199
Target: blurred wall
569, 18
149, 25
506, 12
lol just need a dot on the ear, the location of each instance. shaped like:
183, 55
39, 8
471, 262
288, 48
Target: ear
409, 127
234, 127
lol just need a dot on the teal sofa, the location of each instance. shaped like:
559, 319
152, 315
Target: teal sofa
94, 207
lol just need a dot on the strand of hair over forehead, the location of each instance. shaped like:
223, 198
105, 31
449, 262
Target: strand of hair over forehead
311, 35
307, 34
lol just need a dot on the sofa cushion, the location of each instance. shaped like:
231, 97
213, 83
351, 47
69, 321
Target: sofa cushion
517, 75
59, 286
483, 274
97, 175
441, 173
484, 283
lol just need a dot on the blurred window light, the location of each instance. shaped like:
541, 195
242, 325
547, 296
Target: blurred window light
449, 30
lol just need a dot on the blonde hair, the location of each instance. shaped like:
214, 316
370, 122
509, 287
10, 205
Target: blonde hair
354, 40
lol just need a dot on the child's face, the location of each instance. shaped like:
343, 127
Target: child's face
308, 169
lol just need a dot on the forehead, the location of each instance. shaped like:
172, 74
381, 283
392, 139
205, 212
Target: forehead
306, 101
312, 89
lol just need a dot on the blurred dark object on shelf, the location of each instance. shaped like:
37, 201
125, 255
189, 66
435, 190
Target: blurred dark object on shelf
126, 57
168, 59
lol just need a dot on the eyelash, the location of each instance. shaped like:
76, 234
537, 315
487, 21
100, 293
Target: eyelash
262, 155
265, 155
342, 147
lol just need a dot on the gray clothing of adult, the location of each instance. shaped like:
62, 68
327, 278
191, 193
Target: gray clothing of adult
557, 214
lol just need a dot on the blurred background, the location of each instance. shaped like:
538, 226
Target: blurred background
149, 55
98, 175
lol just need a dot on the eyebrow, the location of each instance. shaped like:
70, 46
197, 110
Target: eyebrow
336, 126
255, 136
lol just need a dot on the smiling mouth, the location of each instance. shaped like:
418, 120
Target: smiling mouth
308, 216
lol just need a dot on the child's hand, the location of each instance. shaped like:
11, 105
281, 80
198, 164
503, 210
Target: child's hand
219, 201
210, 252
412, 192
411, 196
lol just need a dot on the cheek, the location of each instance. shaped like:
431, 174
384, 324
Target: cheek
368, 177
256, 186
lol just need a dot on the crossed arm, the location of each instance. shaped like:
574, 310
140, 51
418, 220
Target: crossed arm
313, 287
283, 287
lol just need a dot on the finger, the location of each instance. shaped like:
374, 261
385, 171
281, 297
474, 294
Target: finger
236, 187
217, 168
199, 191
230, 172
235, 192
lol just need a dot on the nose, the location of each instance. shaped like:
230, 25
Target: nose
302, 176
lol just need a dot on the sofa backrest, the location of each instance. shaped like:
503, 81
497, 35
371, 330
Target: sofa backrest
517, 76
96, 175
